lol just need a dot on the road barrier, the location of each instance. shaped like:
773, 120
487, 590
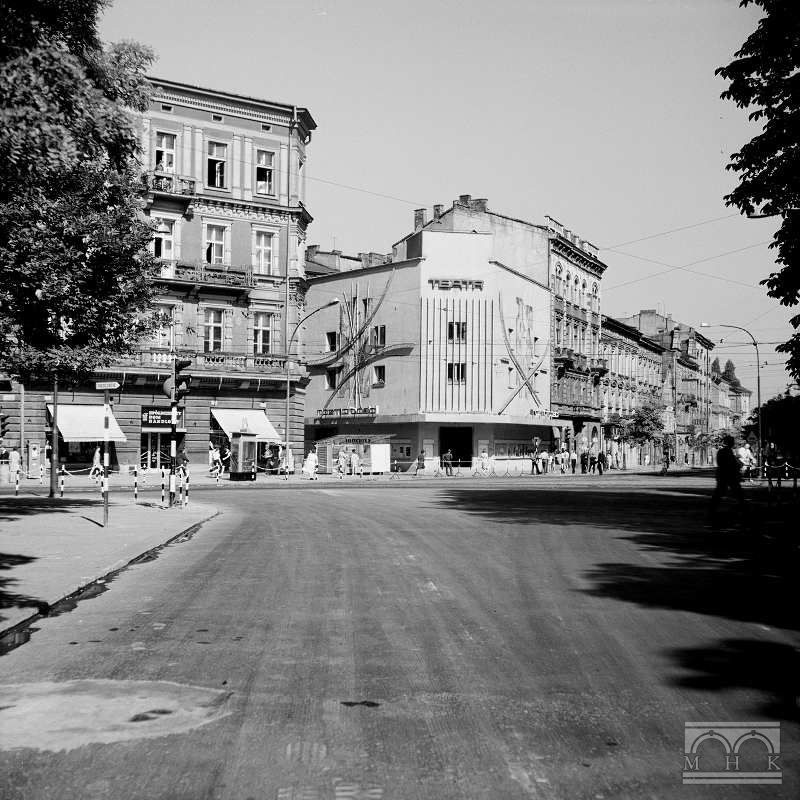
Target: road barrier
61, 480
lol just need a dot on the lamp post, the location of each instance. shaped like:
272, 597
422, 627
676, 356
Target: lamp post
334, 302
758, 379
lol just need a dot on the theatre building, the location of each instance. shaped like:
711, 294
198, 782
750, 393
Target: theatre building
439, 346
223, 183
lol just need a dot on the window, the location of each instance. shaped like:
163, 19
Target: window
217, 157
379, 336
212, 330
456, 372
379, 375
262, 328
164, 239
263, 253
332, 378
215, 244
165, 152
167, 108
163, 335
265, 172
218, 118
332, 341
456, 331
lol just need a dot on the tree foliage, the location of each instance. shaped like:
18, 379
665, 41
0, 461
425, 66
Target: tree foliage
765, 77
75, 275
779, 417
645, 426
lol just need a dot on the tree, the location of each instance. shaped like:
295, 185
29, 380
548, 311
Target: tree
645, 426
75, 275
765, 76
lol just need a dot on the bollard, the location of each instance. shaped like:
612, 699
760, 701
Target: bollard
186, 496
180, 490
163, 494
61, 480
218, 476
253, 472
135, 484
41, 474
16, 484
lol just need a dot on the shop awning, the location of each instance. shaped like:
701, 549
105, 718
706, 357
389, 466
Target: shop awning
78, 423
236, 420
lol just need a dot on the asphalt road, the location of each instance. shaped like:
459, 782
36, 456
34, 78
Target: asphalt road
449, 640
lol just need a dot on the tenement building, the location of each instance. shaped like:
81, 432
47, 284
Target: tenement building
686, 372
442, 345
633, 380
223, 183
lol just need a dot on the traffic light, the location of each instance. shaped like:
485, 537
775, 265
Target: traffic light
177, 382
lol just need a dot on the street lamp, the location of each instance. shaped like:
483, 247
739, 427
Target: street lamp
758, 378
334, 302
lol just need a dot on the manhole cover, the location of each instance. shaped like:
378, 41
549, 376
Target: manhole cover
63, 716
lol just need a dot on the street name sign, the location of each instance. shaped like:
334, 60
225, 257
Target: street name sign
106, 385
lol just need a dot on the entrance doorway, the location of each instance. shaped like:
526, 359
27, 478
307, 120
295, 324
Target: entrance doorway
459, 440
155, 450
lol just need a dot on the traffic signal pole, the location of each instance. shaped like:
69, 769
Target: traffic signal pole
173, 444
106, 414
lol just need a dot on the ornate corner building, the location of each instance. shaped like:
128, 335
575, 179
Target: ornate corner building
223, 181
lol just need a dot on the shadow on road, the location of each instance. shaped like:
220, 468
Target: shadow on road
744, 573
8, 597
771, 668
14, 508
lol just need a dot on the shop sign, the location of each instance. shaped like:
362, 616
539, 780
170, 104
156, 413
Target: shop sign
370, 411
159, 417
455, 283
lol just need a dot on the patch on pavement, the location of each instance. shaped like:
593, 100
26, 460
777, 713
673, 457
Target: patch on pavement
63, 716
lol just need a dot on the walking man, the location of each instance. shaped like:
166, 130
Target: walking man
447, 462
728, 477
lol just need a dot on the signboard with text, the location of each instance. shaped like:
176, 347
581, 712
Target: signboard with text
367, 411
159, 418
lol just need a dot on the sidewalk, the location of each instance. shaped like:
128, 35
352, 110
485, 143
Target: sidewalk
51, 548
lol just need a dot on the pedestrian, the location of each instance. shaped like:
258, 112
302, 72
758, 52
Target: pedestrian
447, 462
584, 462
225, 459
355, 463
97, 470
420, 463
601, 462
341, 464
573, 459
728, 477
542, 462
593, 462
776, 465
563, 459
310, 465
485, 463
535, 461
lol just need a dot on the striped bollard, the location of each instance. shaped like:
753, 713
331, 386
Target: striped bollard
136, 484
218, 471
61, 481
180, 490
253, 471
16, 485
163, 492
186, 496
41, 474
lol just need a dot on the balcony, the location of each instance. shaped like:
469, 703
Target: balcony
160, 358
564, 356
201, 273
168, 185
599, 365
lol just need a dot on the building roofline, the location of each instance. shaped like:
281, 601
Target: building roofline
303, 114
409, 262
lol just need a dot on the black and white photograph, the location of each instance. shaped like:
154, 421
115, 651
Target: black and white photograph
399, 400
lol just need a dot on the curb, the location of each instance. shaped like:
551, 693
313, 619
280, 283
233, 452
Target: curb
45, 609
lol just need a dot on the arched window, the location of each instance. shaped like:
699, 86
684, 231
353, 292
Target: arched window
567, 287
584, 296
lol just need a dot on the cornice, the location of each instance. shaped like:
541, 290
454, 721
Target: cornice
569, 250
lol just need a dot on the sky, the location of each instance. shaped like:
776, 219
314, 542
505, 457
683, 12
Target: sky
605, 114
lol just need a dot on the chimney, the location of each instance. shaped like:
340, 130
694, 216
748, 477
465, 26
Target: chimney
311, 252
464, 199
437, 212
479, 204
419, 218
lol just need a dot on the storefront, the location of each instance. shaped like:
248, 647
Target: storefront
156, 434
81, 430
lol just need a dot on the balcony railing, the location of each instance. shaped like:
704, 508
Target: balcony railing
217, 361
167, 183
564, 354
201, 272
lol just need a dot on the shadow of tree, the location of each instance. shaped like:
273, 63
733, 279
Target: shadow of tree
10, 598
769, 667
14, 508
